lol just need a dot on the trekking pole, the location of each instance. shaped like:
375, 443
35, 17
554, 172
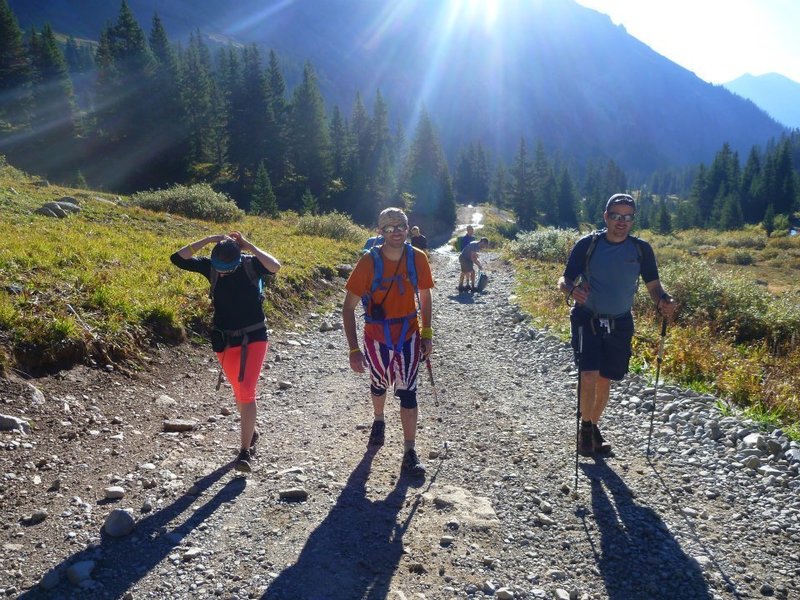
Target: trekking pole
435, 395
578, 410
658, 372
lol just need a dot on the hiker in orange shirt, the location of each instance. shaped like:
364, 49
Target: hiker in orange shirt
388, 280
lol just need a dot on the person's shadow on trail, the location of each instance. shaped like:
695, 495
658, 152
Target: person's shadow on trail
463, 297
121, 562
638, 557
355, 551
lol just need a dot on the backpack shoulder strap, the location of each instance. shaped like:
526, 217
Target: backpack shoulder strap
377, 268
596, 235
638, 242
213, 276
411, 266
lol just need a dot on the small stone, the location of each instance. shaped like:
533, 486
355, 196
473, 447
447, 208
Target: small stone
80, 571
115, 492
293, 494
179, 425
119, 522
285, 385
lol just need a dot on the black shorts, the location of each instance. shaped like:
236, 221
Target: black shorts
608, 353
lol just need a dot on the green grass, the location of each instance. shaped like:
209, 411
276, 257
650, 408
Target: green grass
736, 332
99, 284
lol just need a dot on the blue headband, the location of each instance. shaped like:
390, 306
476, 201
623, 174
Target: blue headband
224, 267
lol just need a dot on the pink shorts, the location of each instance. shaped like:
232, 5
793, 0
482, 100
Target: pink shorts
244, 391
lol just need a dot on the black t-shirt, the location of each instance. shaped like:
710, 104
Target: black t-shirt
236, 300
419, 241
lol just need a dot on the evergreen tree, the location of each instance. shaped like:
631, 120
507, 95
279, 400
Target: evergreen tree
544, 188
52, 122
663, 222
566, 201
427, 181
381, 176
168, 118
262, 198
500, 185
125, 70
14, 71
751, 178
686, 215
277, 120
362, 206
769, 220
522, 198
80, 64
731, 213
197, 97
308, 203
309, 149
702, 197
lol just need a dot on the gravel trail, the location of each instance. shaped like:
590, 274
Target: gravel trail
714, 513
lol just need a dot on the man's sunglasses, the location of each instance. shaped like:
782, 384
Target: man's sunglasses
394, 228
618, 217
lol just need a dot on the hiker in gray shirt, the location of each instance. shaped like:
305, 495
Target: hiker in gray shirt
602, 275
468, 258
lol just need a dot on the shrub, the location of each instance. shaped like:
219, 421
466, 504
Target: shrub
198, 201
333, 225
548, 244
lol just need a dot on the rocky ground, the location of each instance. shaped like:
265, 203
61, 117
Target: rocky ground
99, 501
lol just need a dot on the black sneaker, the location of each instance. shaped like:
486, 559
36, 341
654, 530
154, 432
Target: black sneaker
243, 461
254, 441
412, 465
600, 445
586, 440
378, 433
461, 288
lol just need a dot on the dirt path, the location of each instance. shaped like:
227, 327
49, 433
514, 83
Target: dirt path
496, 516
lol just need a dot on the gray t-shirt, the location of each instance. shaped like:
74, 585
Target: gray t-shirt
613, 272
469, 249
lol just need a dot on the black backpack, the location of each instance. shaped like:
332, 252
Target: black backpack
249, 268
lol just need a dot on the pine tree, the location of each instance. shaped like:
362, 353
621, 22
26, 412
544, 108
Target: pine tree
167, 112
522, 199
262, 198
423, 177
308, 203
197, 94
51, 146
663, 221
14, 71
309, 150
769, 220
567, 199
751, 179
499, 191
731, 213
544, 188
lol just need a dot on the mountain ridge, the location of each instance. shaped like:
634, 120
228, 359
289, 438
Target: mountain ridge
776, 94
552, 71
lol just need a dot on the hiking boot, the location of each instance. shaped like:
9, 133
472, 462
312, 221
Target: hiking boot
462, 288
378, 433
600, 445
243, 461
254, 441
586, 440
412, 465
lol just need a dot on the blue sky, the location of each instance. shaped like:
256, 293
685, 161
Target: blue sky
719, 40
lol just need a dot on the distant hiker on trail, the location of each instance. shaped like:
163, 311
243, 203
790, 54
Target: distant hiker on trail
468, 259
375, 240
388, 281
418, 240
239, 337
466, 238
602, 275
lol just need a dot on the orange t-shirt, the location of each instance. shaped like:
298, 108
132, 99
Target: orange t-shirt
397, 304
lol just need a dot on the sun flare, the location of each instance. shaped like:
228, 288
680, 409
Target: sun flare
479, 12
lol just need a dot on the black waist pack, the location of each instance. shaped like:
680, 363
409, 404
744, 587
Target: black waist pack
218, 340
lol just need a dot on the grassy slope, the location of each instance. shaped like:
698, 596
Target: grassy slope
99, 284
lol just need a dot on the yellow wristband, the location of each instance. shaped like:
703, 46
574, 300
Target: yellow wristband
354, 350
426, 333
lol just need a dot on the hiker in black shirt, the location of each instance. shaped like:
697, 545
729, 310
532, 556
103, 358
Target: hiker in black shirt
418, 240
239, 336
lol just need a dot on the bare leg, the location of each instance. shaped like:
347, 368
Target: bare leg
408, 417
378, 403
247, 410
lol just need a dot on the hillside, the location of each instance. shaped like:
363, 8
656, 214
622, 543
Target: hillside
547, 70
777, 95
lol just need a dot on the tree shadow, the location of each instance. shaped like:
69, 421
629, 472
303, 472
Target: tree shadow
121, 562
355, 551
638, 557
